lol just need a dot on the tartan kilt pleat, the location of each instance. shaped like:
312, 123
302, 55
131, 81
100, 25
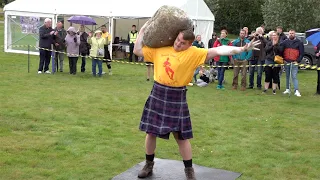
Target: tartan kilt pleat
166, 110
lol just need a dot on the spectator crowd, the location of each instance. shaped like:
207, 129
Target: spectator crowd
275, 49
277, 53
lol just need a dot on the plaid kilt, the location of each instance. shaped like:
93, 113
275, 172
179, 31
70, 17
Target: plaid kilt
165, 111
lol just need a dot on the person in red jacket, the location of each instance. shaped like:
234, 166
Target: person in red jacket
222, 61
293, 51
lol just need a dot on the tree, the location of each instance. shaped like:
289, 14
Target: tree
4, 2
291, 14
234, 15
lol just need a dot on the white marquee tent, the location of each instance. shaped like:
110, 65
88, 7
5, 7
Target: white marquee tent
112, 11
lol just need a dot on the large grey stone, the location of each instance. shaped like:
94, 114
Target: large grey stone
165, 169
164, 26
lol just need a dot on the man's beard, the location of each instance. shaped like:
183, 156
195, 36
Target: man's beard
291, 37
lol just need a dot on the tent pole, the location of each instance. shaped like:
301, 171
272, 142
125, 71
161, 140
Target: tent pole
112, 35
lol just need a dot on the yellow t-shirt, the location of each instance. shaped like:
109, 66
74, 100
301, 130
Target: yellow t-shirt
106, 34
173, 68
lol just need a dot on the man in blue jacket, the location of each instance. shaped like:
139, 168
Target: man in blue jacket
292, 54
240, 60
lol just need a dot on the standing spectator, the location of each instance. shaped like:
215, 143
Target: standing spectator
292, 54
107, 57
72, 42
263, 26
270, 35
273, 48
241, 60
210, 45
257, 59
199, 44
149, 66
282, 35
46, 36
222, 61
132, 37
246, 29
318, 56
59, 45
97, 50
212, 40
149, 70
84, 47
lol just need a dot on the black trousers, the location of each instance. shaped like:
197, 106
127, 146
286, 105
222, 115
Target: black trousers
272, 74
83, 63
45, 57
131, 53
107, 57
106, 53
73, 64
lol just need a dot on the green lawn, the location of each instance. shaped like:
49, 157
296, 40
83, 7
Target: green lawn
63, 126
1, 14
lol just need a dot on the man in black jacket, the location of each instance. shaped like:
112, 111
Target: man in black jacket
282, 36
59, 45
210, 45
84, 48
212, 40
257, 58
46, 36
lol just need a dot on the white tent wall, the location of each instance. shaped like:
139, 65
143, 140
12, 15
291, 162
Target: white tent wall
135, 10
205, 29
34, 6
14, 38
198, 9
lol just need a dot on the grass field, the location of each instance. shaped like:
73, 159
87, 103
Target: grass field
1, 15
79, 127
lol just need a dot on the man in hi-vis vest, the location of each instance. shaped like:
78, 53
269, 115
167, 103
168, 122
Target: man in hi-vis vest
132, 37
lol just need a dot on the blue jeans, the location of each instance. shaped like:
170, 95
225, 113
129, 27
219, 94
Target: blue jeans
255, 61
94, 65
221, 72
294, 72
196, 72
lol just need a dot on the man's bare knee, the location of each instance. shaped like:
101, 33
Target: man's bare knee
151, 137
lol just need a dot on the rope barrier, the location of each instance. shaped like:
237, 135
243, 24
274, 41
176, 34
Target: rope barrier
314, 67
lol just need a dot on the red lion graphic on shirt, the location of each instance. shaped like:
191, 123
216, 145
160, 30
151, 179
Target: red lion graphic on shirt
169, 71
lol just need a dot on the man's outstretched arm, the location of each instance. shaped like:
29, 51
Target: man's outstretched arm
231, 50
